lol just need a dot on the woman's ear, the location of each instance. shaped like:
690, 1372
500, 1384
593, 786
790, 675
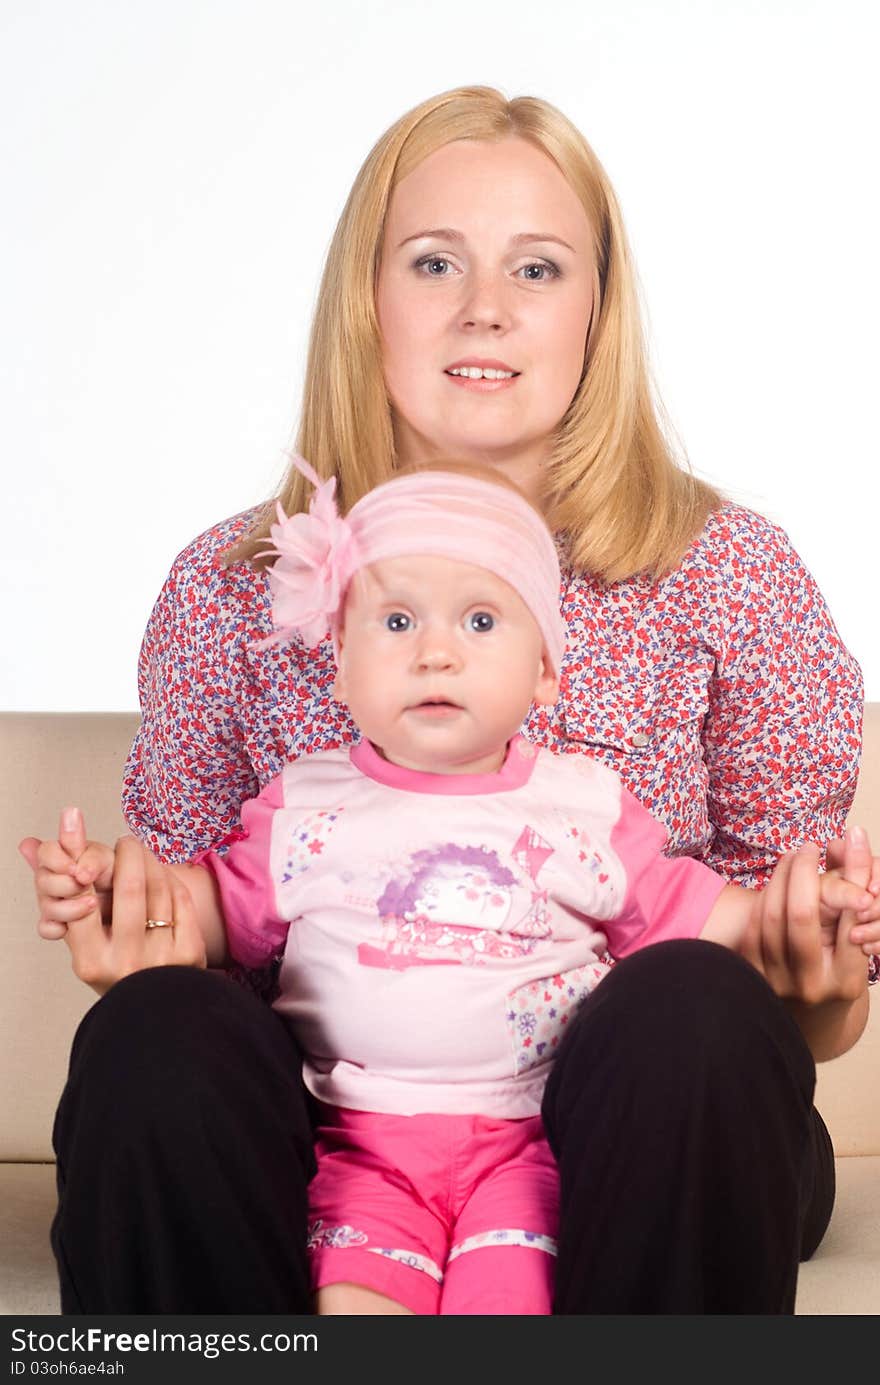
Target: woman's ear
547, 686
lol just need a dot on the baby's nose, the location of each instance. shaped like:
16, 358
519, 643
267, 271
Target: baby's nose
437, 651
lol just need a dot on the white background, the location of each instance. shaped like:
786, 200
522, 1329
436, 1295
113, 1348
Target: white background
171, 174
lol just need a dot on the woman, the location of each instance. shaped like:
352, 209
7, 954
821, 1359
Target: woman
478, 301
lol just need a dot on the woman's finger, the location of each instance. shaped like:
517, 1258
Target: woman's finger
773, 926
160, 940
750, 942
803, 924
129, 913
848, 958
189, 945
857, 864
834, 853
72, 832
87, 941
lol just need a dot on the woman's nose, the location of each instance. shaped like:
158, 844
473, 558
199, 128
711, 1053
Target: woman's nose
486, 305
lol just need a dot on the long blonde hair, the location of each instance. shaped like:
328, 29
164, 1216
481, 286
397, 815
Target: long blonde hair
613, 485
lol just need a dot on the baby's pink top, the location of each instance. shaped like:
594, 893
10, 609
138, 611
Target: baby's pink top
445, 927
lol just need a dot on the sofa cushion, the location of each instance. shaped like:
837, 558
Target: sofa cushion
841, 1278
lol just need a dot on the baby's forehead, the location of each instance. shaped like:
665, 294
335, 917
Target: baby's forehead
429, 579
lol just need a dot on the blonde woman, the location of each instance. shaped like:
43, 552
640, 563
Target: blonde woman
478, 301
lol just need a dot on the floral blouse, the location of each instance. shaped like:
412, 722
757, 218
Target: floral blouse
722, 695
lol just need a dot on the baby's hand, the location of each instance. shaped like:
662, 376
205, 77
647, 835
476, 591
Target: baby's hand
118, 908
865, 932
71, 875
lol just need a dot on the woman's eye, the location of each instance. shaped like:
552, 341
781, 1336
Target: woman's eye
539, 271
434, 265
397, 621
481, 621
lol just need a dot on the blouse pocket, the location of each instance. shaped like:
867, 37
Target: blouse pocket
636, 714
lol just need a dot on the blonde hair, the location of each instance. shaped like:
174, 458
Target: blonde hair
613, 486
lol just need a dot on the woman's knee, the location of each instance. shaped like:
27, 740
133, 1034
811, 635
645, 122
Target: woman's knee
677, 992
674, 1015
169, 1043
172, 1007
156, 1016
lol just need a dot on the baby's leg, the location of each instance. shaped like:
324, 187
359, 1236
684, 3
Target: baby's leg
374, 1246
506, 1280
350, 1300
503, 1254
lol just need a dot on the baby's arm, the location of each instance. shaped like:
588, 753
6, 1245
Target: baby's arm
106, 894
796, 932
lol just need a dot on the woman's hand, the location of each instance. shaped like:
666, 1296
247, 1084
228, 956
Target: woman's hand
798, 934
101, 902
865, 932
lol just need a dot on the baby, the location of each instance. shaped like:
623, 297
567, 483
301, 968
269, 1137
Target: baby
443, 893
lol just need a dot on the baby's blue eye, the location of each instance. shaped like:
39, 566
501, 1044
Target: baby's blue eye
397, 621
481, 621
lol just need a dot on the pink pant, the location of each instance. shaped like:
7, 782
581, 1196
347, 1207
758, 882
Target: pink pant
444, 1214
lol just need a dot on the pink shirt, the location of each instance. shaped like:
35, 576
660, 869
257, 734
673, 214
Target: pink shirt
439, 931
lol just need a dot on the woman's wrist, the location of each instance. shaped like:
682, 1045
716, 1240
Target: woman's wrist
832, 1027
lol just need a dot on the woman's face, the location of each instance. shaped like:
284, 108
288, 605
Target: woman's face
487, 262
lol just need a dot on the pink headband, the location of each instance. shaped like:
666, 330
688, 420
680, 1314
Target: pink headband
437, 513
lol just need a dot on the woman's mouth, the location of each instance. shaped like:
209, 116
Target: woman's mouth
485, 377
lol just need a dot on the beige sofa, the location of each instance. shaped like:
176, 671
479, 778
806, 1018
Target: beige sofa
54, 759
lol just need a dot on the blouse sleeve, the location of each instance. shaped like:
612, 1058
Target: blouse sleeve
188, 772
782, 736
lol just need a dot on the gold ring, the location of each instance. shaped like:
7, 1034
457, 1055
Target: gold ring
160, 923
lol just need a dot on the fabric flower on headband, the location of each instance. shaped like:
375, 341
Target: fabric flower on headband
315, 557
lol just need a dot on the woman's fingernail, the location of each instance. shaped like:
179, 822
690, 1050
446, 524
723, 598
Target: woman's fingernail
68, 819
857, 835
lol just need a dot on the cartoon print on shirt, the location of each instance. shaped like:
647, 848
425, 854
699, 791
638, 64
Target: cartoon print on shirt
307, 840
530, 852
456, 906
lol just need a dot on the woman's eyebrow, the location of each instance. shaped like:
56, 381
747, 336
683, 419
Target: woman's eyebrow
522, 238
441, 232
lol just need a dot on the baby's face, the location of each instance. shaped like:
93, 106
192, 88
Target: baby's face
439, 663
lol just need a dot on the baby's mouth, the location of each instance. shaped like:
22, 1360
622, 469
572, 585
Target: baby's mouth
437, 706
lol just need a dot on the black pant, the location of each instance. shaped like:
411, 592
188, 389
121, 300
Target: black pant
694, 1169
184, 1151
